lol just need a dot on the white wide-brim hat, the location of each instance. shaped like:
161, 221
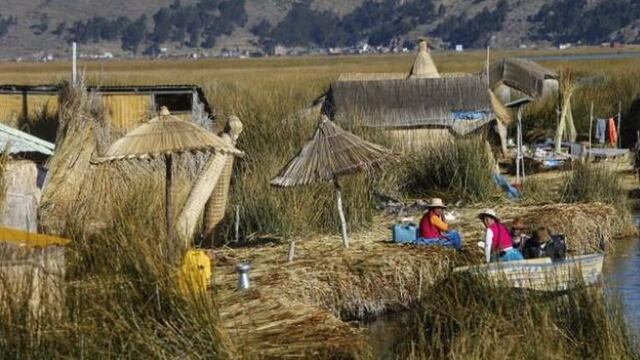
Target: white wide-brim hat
488, 212
436, 203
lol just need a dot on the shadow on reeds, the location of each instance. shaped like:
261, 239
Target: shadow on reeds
467, 317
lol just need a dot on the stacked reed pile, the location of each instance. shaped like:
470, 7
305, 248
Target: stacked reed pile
264, 325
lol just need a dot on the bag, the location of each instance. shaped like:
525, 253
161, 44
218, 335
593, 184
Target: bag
405, 233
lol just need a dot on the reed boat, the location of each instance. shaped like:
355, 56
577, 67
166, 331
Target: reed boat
542, 274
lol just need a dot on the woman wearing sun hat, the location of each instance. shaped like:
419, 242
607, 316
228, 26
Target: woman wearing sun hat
497, 241
434, 227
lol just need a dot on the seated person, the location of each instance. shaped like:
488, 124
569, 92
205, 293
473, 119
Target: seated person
434, 227
497, 241
517, 233
533, 248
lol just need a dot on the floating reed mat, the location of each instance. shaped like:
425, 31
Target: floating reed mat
263, 325
586, 226
372, 277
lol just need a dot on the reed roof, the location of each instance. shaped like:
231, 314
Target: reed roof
423, 65
523, 75
166, 134
413, 103
330, 153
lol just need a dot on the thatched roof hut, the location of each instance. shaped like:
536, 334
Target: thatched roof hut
460, 104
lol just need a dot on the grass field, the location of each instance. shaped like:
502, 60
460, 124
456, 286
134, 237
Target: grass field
265, 92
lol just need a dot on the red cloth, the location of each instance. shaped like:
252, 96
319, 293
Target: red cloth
612, 134
428, 229
501, 238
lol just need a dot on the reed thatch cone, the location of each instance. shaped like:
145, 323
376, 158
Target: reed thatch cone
423, 65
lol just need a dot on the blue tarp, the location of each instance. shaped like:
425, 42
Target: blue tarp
469, 115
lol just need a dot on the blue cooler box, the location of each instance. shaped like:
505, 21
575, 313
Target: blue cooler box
405, 233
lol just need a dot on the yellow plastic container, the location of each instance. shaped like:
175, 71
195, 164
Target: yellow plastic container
195, 272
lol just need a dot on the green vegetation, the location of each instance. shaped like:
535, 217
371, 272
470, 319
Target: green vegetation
377, 21
466, 317
593, 183
194, 25
457, 170
475, 31
574, 20
6, 23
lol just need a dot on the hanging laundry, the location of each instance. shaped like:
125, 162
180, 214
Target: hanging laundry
612, 132
601, 130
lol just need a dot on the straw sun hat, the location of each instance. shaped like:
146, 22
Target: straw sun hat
488, 212
436, 203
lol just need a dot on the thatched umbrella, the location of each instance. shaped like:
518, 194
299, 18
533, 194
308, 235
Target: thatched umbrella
164, 136
331, 153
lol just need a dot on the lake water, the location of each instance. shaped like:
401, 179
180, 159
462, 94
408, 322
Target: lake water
585, 57
622, 276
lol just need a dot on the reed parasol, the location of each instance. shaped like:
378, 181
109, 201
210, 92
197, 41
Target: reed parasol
331, 153
165, 135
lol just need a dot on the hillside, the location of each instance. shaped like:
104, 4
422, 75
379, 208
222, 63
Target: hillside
122, 27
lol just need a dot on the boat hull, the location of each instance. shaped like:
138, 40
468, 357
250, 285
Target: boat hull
542, 274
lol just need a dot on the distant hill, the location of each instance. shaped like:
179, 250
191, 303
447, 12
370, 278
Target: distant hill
124, 27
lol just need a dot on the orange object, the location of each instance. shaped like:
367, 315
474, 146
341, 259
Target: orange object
612, 133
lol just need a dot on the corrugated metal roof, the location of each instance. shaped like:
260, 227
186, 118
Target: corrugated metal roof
16, 141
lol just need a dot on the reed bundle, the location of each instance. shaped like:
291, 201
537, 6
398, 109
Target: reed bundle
266, 326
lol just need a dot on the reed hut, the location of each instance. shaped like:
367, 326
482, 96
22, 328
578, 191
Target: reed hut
417, 111
35, 108
419, 108
22, 173
514, 79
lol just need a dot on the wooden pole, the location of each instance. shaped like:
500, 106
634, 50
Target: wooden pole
74, 64
168, 202
519, 155
343, 221
619, 142
292, 251
237, 224
590, 126
488, 59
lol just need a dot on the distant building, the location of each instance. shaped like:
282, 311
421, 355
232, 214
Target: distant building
459, 48
35, 108
279, 50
